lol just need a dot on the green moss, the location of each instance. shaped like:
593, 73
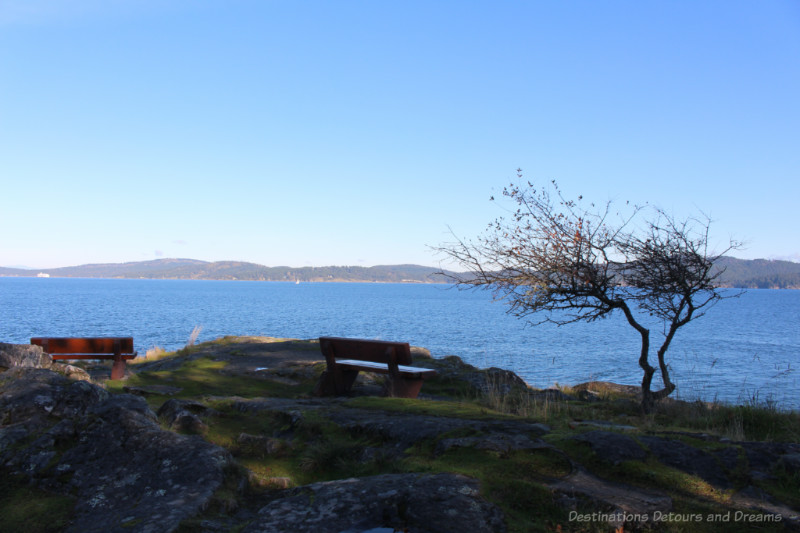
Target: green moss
452, 409
226, 427
441, 386
206, 377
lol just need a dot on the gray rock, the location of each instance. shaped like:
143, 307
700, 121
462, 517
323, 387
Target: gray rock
401, 429
438, 503
491, 380
605, 387
688, 459
622, 499
71, 371
497, 442
405, 429
24, 355
151, 390
30, 392
259, 445
127, 474
418, 352
184, 415
764, 456
728, 457
612, 447
791, 461
549, 395
501, 380
756, 499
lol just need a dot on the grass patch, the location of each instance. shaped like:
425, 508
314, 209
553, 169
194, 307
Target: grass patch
225, 429
442, 386
515, 482
314, 450
646, 474
205, 377
749, 422
785, 486
25, 508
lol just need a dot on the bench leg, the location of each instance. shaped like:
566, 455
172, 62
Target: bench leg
336, 382
118, 370
403, 388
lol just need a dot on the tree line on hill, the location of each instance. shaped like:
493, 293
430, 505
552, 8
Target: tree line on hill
741, 273
759, 273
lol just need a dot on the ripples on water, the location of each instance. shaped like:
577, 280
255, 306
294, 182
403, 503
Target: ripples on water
743, 349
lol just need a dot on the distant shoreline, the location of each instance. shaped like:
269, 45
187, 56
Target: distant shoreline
400, 282
738, 273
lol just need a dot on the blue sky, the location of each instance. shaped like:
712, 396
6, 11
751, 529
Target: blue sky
355, 133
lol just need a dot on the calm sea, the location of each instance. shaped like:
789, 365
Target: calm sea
743, 349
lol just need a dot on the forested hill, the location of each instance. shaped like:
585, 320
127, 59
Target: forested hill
757, 273
236, 270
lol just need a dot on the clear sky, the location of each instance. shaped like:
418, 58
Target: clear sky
356, 132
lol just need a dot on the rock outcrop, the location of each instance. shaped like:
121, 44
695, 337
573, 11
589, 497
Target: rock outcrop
130, 469
612, 447
126, 473
433, 503
23, 355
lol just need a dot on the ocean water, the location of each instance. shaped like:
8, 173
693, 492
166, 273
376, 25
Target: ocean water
744, 349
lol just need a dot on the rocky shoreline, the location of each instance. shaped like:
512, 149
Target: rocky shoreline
225, 436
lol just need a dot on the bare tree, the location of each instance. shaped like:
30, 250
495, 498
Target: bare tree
554, 260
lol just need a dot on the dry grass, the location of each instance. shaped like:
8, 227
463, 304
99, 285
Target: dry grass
502, 396
152, 354
194, 335
157, 352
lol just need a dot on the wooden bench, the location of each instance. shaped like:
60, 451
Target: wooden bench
118, 349
346, 357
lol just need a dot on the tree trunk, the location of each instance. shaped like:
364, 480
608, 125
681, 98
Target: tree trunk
648, 399
669, 387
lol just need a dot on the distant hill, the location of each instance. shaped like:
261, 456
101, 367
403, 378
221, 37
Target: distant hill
236, 270
759, 273
743, 273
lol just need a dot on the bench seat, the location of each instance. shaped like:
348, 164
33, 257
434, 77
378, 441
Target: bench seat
383, 368
118, 349
345, 358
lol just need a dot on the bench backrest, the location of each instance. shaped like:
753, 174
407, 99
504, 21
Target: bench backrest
364, 350
85, 345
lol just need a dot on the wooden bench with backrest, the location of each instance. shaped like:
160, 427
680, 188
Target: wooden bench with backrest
345, 358
118, 349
